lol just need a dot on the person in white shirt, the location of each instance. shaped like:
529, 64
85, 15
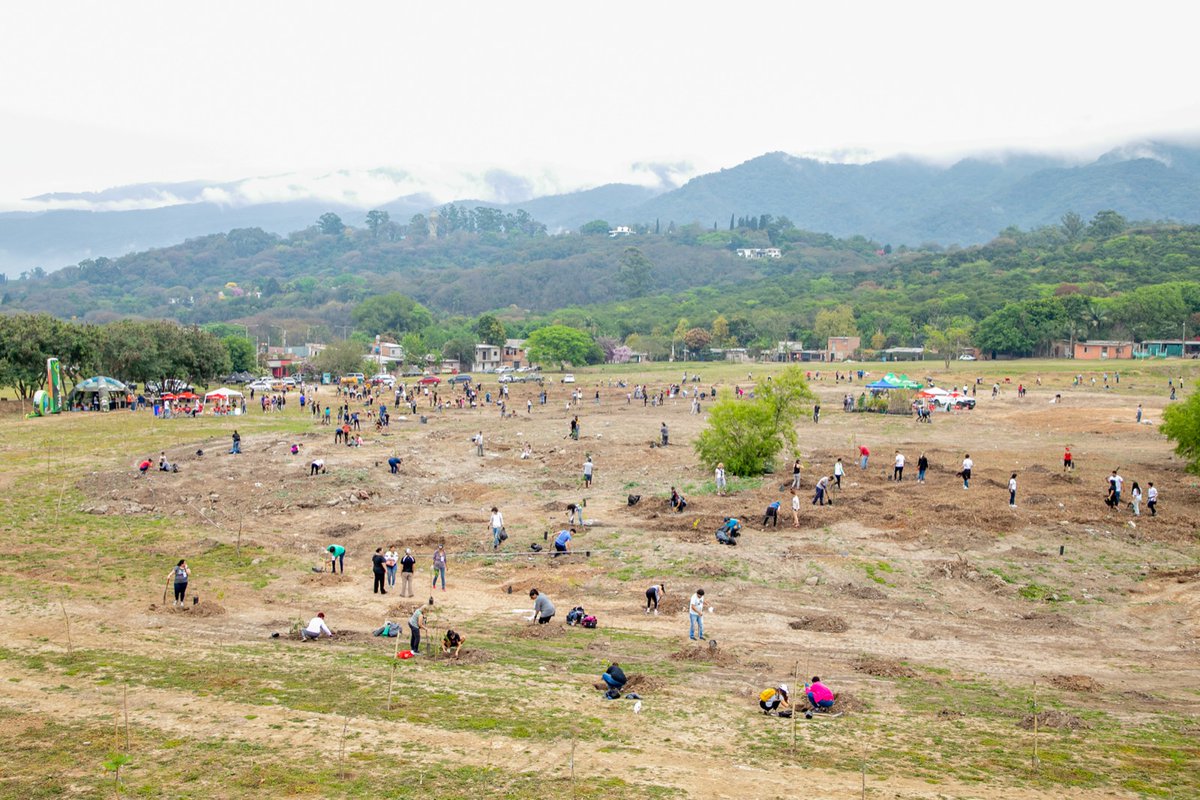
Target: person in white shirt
588, 466
390, 559
838, 472
316, 626
316, 467
497, 527
795, 509
696, 615
1152, 499
1012, 491
967, 466
478, 440
898, 468
719, 475
1135, 497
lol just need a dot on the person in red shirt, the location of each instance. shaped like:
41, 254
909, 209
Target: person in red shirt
1068, 463
144, 466
863, 453
819, 695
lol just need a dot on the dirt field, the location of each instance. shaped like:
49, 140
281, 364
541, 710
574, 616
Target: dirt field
947, 621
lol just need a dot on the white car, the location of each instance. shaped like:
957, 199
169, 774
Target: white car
289, 381
966, 357
383, 379
568, 378
259, 386
505, 368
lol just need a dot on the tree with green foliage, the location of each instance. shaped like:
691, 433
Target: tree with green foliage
377, 221
596, 227
1073, 226
837, 321
242, 357
490, 330
461, 349
634, 272
342, 358
748, 435
1021, 329
391, 313
559, 344
1181, 424
1106, 223
28, 340
696, 340
331, 224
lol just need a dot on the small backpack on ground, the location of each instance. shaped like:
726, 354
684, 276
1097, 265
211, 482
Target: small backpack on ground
575, 615
588, 622
634, 499
612, 694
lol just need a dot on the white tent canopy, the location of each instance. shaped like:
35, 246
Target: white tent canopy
222, 394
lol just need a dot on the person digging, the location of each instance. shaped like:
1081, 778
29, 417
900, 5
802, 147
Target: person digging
820, 698
775, 700
613, 679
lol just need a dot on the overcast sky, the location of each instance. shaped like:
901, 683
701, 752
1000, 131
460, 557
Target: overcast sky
99, 94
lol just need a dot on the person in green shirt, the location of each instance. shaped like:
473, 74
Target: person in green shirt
337, 556
416, 624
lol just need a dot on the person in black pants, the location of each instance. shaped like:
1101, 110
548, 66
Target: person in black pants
377, 566
653, 595
772, 514
416, 624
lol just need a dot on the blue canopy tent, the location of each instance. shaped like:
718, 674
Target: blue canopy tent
882, 384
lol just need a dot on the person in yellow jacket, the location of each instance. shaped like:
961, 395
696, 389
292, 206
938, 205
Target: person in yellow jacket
775, 699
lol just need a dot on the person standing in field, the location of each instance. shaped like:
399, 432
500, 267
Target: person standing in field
820, 493
543, 609
588, 466
967, 466
796, 474
898, 467
838, 472
665, 434
796, 509
696, 615
1068, 459
719, 476
377, 567
390, 560
922, 466
1152, 499
439, 566
1012, 490
337, 556
416, 624
180, 574
497, 524
406, 573
863, 455
1135, 498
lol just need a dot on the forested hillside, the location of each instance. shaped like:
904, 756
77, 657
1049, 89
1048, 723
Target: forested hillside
1080, 278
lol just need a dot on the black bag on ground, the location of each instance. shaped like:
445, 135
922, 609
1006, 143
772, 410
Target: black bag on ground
575, 615
634, 499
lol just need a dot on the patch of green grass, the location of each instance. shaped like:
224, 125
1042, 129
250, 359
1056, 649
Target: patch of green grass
874, 568
1037, 592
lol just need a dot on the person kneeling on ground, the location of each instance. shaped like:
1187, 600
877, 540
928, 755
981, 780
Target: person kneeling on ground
613, 678
819, 695
775, 699
677, 501
728, 533
452, 641
316, 626
543, 609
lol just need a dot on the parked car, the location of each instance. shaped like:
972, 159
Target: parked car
568, 378
288, 381
383, 379
966, 357
461, 379
258, 386
505, 368
429, 380
956, 401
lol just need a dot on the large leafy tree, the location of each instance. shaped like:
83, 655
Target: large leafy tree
748, 435
634, 272
559, 344
490, 330
331, 224
391, 313
1021, 329
28, 340
341, 358
1181, 424
242, 357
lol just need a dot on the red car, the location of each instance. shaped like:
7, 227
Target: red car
429, 380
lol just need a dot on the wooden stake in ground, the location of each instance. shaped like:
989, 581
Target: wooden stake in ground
70, 646
572, 765
125, 707
864, 780
342, 748
795, 706
239, 542
392, 679
1035, 728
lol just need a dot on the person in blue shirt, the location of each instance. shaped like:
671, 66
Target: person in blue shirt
562, 542
772, 514
728, 532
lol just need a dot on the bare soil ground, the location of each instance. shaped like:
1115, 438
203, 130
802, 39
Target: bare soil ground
930, 609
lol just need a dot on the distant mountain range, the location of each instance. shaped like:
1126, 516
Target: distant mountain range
896, 201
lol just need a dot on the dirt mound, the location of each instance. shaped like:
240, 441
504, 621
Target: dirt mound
712, 570
921, 635
642, 684
883, 667
1053, 719
205, 608
547, 631
341, 529
464, 656
1053, 622
848, 703
705, 653
325, 577
1075, 683
957, 569
864, 592
672, 604
949, 713
1181, 574
820, 623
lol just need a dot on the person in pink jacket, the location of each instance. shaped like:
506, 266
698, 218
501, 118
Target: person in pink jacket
819, 695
